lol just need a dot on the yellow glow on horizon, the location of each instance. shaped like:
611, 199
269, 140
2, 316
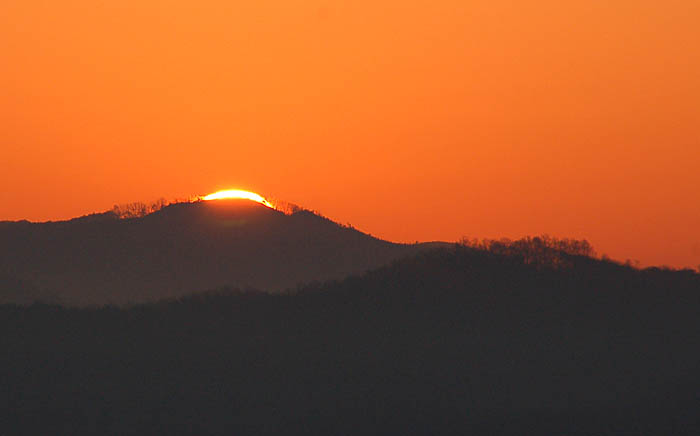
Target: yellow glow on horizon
238, 193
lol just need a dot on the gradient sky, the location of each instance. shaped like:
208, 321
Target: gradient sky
412, 119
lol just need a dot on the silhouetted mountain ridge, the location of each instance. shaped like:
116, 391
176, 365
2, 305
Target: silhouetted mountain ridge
500, 338
185, 247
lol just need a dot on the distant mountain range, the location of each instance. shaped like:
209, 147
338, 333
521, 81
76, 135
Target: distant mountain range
506, 338
180, 249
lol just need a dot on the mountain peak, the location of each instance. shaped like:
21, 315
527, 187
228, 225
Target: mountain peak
186, 247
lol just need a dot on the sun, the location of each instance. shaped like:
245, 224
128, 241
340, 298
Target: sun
238, 193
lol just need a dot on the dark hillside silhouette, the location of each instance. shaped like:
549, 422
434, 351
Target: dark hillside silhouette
497, 338
180, 248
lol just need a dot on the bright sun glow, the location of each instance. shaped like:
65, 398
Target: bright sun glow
238, 193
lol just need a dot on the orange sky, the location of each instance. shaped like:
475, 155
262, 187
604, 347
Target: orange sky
412, 119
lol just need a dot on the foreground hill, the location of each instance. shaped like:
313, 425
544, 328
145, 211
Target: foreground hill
500, 340
179, 249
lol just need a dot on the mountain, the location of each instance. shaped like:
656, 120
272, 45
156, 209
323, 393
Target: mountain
508, 339
179, 249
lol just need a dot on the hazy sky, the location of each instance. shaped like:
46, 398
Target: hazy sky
412, 120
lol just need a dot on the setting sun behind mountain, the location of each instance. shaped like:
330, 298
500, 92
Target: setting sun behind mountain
238, 194
575, 118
